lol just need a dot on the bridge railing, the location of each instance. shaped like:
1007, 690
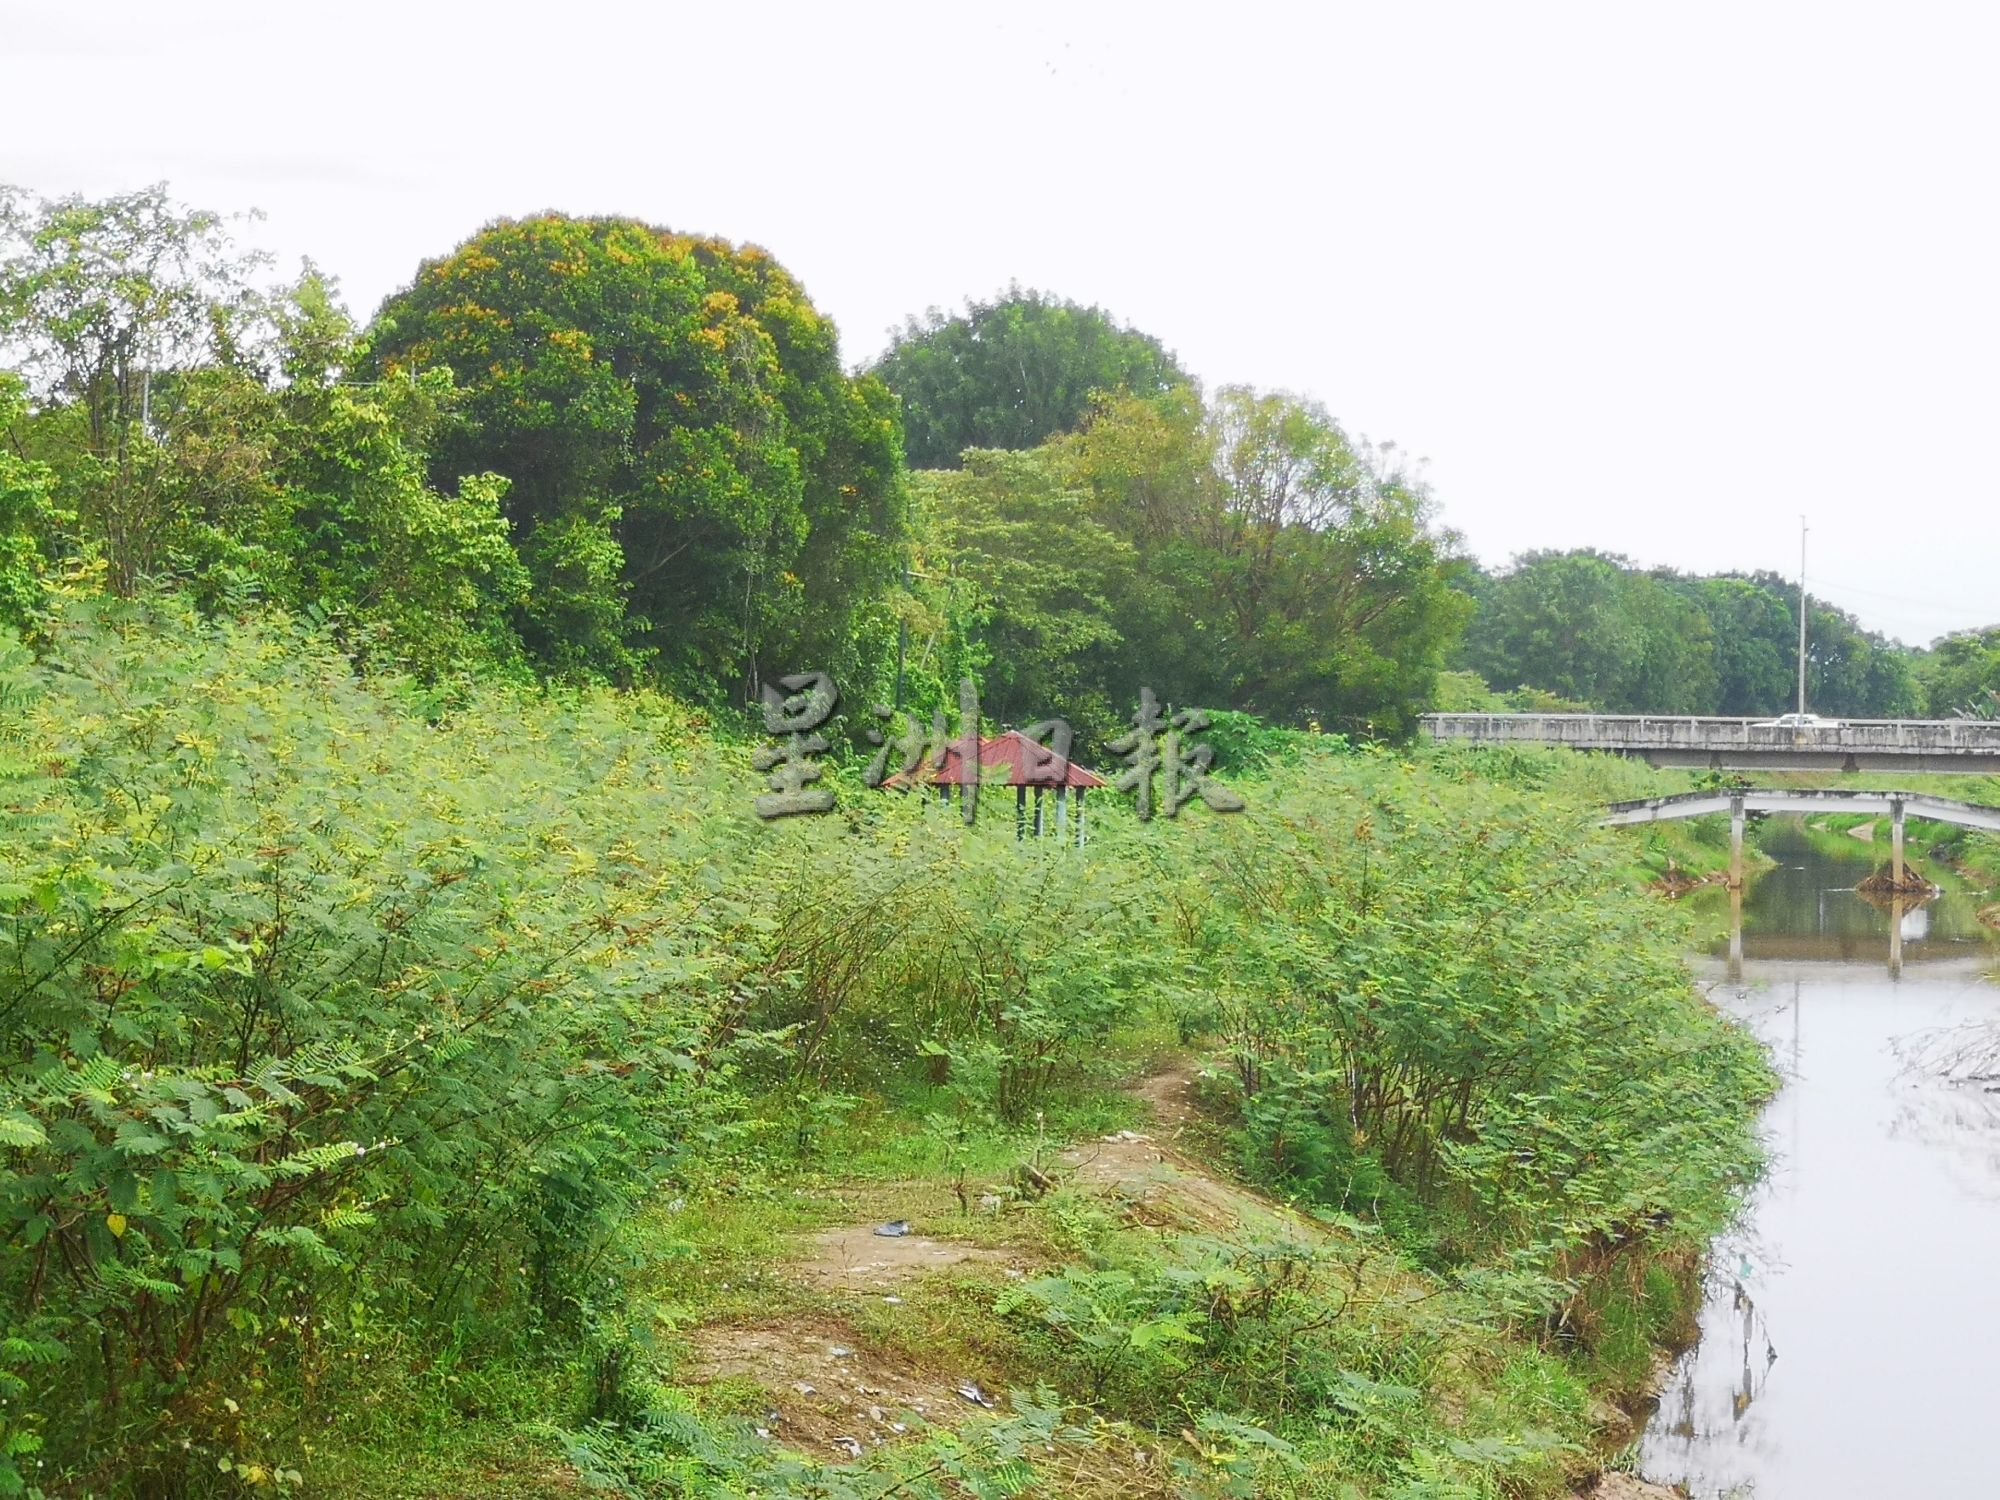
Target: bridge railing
1808, 800
1663, 732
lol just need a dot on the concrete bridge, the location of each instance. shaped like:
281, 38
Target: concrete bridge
1896, 805
1931, 746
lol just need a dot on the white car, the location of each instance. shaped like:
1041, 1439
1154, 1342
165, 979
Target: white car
1797, 721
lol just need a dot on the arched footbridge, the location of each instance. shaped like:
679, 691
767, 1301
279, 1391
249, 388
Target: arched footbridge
1897, 806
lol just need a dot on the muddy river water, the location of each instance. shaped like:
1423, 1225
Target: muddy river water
1850, 1342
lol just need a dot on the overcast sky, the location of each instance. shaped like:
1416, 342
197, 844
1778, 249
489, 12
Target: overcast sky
1651, 279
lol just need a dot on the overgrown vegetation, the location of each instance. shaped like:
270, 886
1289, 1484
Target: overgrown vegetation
342, 1026
417, 1060
599, 450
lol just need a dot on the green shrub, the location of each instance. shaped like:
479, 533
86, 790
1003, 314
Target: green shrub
1445, 981
344, 1016
309, 1005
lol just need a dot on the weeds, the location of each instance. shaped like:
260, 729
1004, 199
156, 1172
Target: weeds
378, 1088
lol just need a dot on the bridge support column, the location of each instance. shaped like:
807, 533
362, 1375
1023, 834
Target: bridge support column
1896, 839
1736, 843
1735, 970
1896, 938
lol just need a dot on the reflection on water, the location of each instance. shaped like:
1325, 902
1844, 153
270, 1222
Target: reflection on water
1805, 908
1849, 1330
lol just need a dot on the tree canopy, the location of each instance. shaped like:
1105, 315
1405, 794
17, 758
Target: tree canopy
1961, 675
1593, 628
1589, 627
1240, 554
596, 448
693, 477
1041, 575
1012, 372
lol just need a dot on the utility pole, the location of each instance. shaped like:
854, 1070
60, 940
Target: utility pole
1802, 614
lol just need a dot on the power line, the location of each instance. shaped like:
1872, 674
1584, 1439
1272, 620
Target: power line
1932, 605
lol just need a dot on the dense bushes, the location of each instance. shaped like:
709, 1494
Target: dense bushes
1448, 988
313, 1013
1003, 967
364, 998
325, 1010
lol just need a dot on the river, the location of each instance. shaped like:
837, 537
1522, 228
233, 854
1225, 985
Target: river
1851, 1330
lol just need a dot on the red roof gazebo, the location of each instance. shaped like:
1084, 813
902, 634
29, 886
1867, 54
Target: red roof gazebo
1013, 760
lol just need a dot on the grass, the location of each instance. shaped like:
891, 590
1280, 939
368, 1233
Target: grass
1630, 1318
1420, 1376
402, 1430
1418, 1388
1430, 1369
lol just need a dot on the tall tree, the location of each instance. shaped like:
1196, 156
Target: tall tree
1850, 671
1556, 621
692, 475
103, 304
193, 424
1961, 675
1675, 667
1013, 371
29, 519
1037, 575
1755, 635
1283, 569
1589, 627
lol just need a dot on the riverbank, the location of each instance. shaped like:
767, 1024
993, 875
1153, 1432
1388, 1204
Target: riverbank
1625, 1487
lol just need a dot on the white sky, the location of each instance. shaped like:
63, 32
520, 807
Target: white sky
1653, 279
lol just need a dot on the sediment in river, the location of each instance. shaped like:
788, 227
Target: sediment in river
1884, 883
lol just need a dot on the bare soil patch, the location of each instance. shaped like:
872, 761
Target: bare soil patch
1157, 1184
1169, 1097
833, 1392
856, 1258
830, 1394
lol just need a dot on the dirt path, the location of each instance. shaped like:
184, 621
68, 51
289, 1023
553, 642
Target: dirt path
1157, 1183
1168, 1096
830, 1393
856, 1258
834, 1391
